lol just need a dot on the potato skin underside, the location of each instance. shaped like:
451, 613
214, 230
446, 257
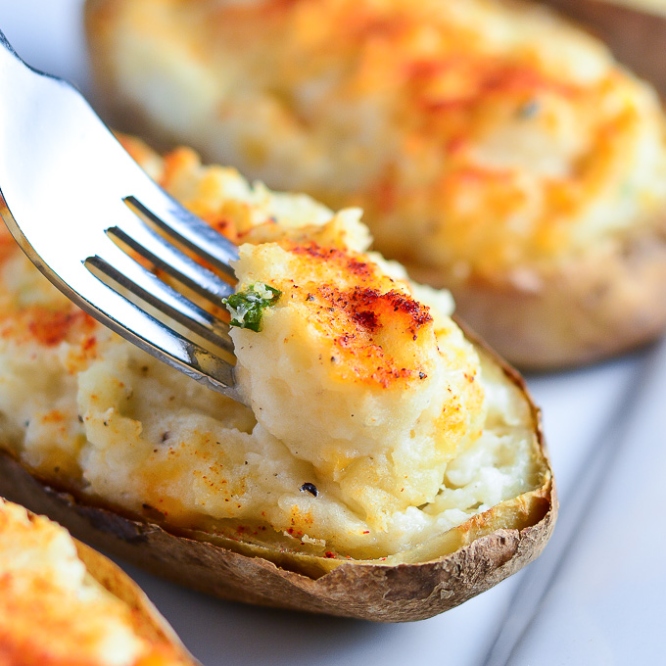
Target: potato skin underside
618, 288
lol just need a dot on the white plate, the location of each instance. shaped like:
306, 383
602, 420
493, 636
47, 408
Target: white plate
607, 597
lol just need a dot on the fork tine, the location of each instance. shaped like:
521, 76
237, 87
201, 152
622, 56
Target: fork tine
151, 335
141, 283
162, 254
185, 227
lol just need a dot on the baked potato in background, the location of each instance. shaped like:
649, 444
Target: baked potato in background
634, 29
62, 603
388, 467
495, 149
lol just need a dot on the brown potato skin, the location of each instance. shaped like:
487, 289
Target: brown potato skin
609, 300
147, 619
635, 35
487, 548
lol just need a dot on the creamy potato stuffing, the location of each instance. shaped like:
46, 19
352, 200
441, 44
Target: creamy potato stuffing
372, 424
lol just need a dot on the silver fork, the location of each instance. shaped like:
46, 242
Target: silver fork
75, 201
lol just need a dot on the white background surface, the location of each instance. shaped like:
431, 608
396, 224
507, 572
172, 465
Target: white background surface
597, 595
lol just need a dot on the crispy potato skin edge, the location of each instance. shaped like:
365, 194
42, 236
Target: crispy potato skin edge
146, 619
594, 306
632, 34
376, 592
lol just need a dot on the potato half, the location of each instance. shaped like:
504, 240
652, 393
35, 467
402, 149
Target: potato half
384, 465
472, 558
63, 603
496, 149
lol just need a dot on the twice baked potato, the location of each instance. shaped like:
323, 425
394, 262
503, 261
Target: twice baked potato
384, 465
64, 604
496, 149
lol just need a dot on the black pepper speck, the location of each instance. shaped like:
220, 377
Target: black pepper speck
310, 488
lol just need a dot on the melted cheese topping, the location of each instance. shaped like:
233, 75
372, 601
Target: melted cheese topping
52, 612
477, 136
373, 427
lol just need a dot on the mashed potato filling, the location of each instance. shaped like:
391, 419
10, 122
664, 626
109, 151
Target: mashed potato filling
360, 386
371, 424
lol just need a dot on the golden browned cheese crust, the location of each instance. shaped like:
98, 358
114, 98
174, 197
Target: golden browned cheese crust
62, 604
494, 148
